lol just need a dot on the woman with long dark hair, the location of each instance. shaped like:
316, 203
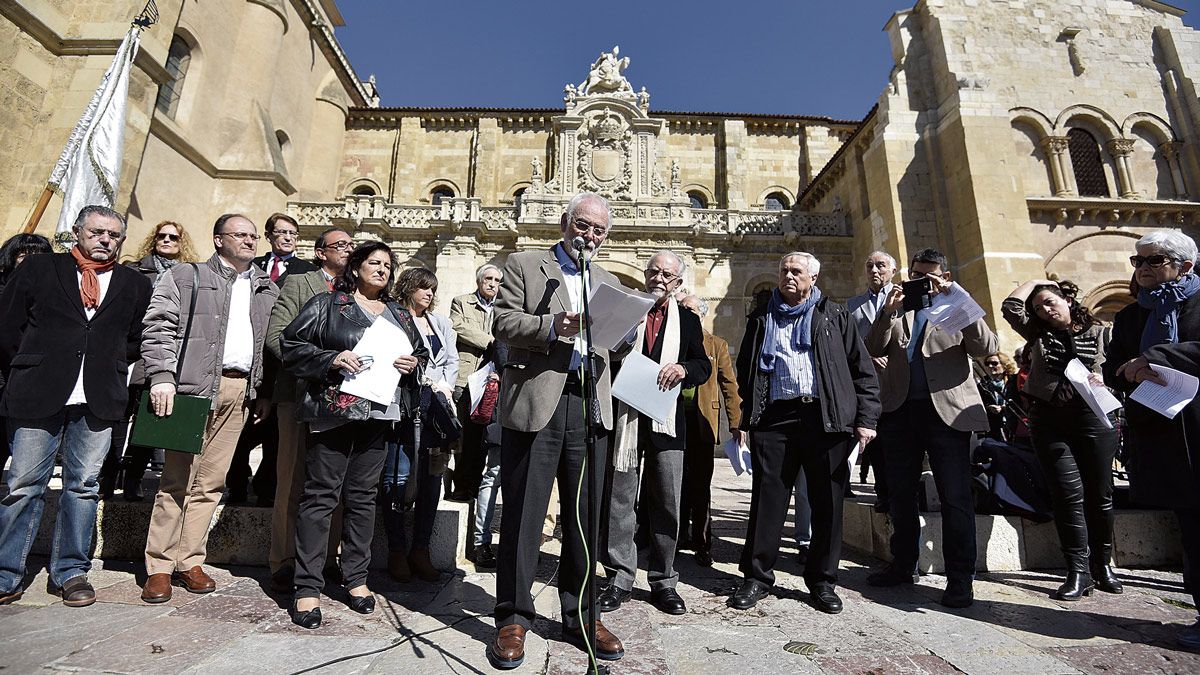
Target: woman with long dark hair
13, 253
349, 435
1074, 445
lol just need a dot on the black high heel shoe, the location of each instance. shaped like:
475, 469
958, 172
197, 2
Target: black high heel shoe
364, 604
310, 619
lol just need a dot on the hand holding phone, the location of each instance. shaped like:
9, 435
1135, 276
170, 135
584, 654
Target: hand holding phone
916, 294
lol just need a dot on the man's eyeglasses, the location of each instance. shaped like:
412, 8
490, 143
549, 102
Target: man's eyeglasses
96, 234
241, 236
1154, 261
666, 276
166, 236
584, 226
285, 233
338, 245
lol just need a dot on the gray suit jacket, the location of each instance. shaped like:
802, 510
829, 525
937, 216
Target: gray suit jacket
531, 293
863, 311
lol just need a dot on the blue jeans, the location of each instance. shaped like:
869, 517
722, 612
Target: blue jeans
485, 502
84, 440
399, 467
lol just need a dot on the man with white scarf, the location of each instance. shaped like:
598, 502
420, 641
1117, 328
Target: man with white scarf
650, 501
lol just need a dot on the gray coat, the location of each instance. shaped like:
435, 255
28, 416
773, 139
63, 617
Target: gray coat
443, 366
166, 318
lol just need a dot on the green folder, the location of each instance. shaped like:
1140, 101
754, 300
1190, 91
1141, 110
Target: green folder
182, 430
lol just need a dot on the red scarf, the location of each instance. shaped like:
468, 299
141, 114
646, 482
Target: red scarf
89, 286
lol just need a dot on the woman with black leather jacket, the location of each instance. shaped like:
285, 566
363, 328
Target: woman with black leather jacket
349, 434
1074, 446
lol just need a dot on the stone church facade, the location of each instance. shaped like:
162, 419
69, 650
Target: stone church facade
1024, 138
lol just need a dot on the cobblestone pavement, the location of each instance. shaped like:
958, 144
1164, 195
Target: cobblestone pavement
1014, 627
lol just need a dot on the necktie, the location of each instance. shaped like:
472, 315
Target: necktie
276, 269
918, 331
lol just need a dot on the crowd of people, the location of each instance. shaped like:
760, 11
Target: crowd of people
268, 343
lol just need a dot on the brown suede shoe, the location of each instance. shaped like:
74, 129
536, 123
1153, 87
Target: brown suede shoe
397, 567
507, 650
422, 567
157, 588
77, 592
608, 647
196, 581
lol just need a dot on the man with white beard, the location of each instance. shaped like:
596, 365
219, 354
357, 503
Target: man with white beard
674, 339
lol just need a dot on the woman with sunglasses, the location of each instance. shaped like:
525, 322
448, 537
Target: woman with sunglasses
165, 247
1074, 445
996, 388
1161, 329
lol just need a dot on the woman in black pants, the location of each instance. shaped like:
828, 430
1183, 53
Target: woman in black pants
1074, 445
349, 434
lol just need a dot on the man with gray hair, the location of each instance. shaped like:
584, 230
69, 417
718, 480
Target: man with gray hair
72, 325
674, 340
808, 391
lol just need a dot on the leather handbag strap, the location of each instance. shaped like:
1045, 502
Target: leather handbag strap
187, 330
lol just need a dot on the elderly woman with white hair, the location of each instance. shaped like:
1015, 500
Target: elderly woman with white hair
1162, 329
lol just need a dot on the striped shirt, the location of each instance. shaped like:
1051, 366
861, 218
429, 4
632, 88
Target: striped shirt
794, 375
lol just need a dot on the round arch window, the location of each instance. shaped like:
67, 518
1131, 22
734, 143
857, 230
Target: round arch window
697, 199
440, 194
776, 201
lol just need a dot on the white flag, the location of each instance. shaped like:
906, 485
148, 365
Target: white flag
90, 166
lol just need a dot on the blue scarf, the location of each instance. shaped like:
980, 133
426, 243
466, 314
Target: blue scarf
1163, 302
778, 311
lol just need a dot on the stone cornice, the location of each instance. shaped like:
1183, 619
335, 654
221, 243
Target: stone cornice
1075, 210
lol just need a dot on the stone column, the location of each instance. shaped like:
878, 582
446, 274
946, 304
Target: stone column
733, 141
326, 135
1170, 153
248, 87
1121, 149
1055, 148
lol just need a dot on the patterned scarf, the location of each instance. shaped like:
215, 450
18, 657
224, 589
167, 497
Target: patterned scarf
778, 311
89, 286
1163, 302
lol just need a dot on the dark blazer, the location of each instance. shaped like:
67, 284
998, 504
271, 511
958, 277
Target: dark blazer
694, 361
294, 265
46, 335
849, 389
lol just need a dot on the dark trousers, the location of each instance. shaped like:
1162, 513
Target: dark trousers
468, 466
1189, 530
877, 452
791, 435
1076, 453
917, 429
695, 519
401, 469
530, 462
265, 433
343, 466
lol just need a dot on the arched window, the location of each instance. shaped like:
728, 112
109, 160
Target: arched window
761, 296
517, 198
697, 199
776, 201
1087, 163
178, 58
285, 143
440, 194
364, 191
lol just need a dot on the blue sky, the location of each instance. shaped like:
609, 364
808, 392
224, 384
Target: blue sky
801, 57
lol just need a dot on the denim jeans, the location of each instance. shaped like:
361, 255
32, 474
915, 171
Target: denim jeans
485, 502
84, 440
399, 467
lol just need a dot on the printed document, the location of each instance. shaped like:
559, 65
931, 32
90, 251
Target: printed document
476, 383
1170, 399
1098, 398
383, 341
954, 310
739, 456
637, 385
615, 312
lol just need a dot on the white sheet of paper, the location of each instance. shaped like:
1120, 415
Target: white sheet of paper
1169, 400
853, 459
637, 385
383, 341
1099, 399
476, 382
739, 457
615, 311
954, 310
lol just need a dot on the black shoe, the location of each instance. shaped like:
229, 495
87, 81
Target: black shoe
703, 558
237, 498
611, 598
485, 559
802, 555
749, 594
1106, 580
825, 599
1078, 584
310, 619
891, 576
958, 595
668, 601
361, 604
457, 496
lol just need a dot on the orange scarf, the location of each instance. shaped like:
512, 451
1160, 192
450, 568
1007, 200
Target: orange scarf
89, 286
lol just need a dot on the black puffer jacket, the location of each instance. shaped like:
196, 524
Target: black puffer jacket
329, 324
849, 389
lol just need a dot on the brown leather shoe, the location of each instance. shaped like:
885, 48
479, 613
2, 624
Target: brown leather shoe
608, 647
397, 567
196, 581
77, 592
507, 650
9, 598
157, 588
422, 567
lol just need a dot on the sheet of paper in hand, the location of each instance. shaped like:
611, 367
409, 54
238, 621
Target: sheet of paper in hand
384, 342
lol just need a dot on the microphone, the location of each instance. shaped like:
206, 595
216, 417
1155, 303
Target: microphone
579, 243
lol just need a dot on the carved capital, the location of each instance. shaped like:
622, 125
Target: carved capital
1120, 147
1055, 144
1171, 149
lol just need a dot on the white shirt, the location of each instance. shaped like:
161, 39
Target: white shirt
77, 395
239, 334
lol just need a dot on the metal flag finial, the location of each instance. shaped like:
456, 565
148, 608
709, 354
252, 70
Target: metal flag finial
148, 16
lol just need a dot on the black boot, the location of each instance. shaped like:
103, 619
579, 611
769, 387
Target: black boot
1102, 573
1078, 584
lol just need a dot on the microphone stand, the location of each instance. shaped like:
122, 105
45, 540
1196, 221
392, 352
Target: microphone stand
591, 420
